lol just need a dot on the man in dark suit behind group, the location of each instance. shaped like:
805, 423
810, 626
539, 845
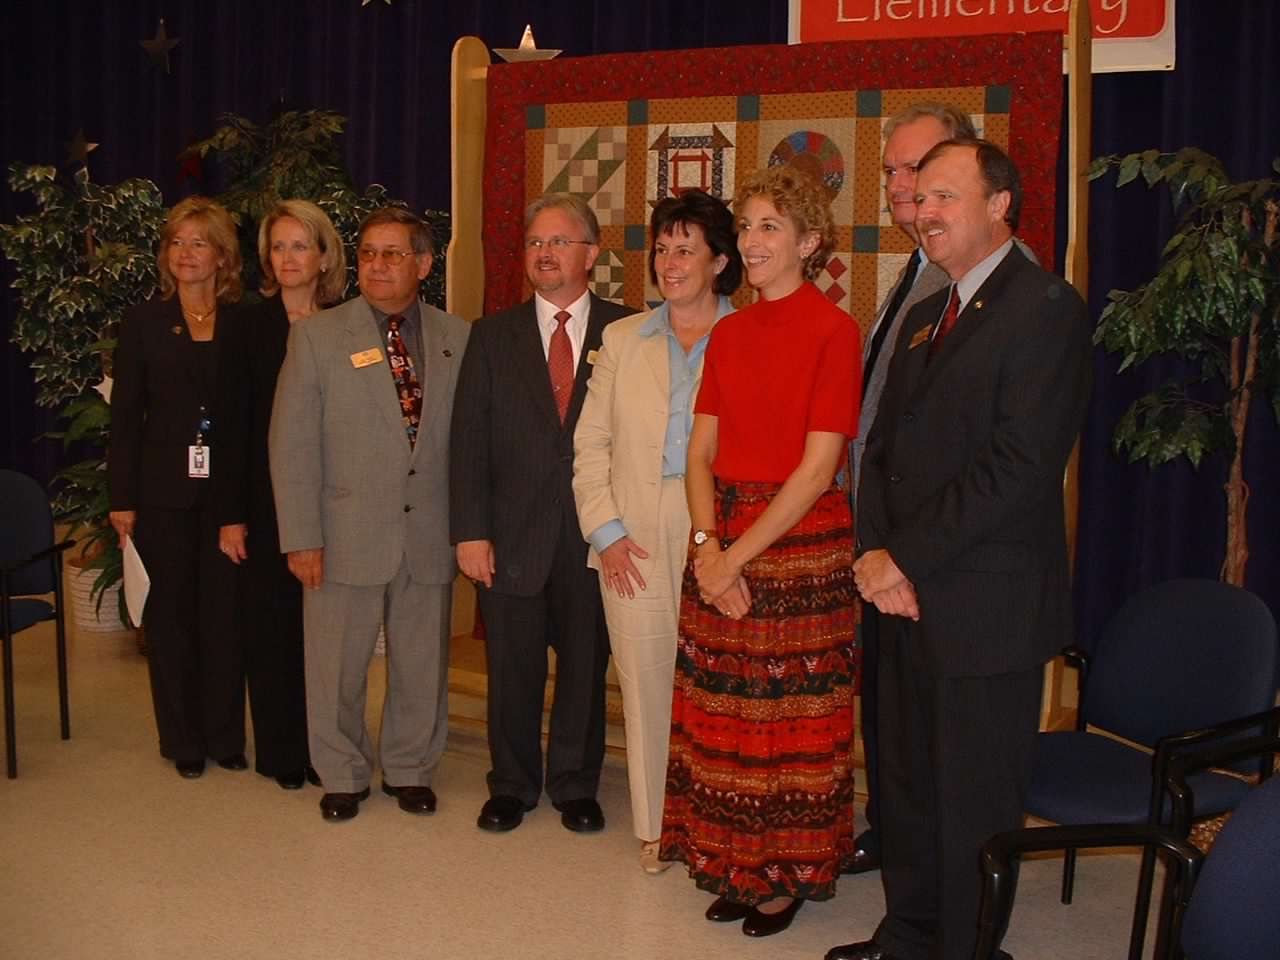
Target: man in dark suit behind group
513, 519
963, 546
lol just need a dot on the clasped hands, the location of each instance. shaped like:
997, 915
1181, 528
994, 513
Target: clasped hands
721, 584
879, 581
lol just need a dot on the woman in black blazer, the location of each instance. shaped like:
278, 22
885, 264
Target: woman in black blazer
164, 448
303, 269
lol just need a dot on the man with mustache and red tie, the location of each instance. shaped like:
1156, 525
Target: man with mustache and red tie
514, 521
962, 544
359, 444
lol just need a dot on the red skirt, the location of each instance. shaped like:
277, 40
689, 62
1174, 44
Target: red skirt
759, 795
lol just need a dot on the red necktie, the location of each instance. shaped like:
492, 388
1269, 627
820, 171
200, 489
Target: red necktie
408, 390
560, 363
949, 318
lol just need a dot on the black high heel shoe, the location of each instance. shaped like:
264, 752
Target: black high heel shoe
759, 924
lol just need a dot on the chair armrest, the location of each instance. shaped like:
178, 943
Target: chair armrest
1176, 744
1078, 658
1181, 767
1002, 853
15, 565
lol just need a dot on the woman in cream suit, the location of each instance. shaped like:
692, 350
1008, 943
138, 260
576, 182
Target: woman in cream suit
628, 482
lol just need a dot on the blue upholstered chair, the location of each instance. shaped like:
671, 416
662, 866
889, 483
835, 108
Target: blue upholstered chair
30, 566
1217, 907
1182, 665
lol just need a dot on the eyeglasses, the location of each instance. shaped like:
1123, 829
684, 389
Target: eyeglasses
389, 258
558, 244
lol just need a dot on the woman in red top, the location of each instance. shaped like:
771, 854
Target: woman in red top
759, 798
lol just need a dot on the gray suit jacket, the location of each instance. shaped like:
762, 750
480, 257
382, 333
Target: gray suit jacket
344, 475
932, 278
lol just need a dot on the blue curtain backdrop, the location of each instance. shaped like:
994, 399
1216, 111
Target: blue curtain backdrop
70, 65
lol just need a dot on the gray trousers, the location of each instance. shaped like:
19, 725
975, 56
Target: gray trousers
340, 622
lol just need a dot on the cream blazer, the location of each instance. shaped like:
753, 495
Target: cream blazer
617, 462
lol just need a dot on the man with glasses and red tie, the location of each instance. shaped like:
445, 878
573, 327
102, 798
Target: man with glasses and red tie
359, 444
513, 519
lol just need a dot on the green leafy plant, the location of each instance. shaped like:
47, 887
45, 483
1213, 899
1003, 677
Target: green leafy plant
84, 256
1215, 302
295, 156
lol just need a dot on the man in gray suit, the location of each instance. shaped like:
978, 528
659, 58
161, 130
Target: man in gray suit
908, 137
359, 464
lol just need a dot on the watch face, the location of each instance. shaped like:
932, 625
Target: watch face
700, 538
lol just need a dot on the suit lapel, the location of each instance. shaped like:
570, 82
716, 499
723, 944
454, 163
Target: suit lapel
590, 345
362, 335
657, 357
436, 358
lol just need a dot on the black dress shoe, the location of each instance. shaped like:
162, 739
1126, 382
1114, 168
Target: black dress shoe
413, 799
190, 770
313, 778
500, 814
861, 861
759, 924
342, 806
582, 815
234, 762
861, 950
724, 910
293, 780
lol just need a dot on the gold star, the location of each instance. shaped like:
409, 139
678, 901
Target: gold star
158, 47
528, 49
78, 149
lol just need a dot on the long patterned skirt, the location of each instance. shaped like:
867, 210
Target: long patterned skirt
759, 796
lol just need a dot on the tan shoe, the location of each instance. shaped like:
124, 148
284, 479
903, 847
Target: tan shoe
649, 858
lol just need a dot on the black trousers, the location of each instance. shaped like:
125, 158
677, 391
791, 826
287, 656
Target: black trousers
567, 616
955, 760
869, 636
195, 653
271, 618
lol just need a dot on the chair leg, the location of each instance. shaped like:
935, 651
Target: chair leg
64, 713
1068, 873
1141, 907
10, 740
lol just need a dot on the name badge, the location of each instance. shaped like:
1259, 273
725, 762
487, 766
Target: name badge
198, 461
591, 357
921, 336
366, 358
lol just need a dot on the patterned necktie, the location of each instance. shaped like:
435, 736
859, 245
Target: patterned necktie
886, 321
949, 318
407, 387
560, 363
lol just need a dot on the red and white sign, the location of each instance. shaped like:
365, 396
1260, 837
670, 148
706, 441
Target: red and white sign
1127, 34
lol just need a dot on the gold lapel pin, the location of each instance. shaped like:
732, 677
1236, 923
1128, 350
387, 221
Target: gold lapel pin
977, 304
177, 329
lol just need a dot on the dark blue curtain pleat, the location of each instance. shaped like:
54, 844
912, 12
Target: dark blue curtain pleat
386, 67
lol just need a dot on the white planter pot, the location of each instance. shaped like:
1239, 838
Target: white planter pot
85, 610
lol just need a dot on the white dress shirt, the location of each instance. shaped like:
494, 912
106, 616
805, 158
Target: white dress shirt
577, 325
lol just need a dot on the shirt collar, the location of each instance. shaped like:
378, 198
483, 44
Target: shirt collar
660, 319
968, 284
546, 310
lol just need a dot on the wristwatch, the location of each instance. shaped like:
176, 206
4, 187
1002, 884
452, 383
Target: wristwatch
702, 536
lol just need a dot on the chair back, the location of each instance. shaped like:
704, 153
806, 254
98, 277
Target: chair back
26, 527
1180, 656
1232, 914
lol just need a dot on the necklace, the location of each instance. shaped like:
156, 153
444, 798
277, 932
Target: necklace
199, 317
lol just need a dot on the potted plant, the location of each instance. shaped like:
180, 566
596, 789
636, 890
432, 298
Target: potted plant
295, 156
1214, 301
84, 257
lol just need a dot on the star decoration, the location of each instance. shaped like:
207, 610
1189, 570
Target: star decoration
528, 49
158, 47
78, 149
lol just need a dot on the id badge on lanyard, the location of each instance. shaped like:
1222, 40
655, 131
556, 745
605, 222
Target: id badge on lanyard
198, 452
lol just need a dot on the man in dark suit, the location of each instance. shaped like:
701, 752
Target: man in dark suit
513, 519
909, 135
963, 546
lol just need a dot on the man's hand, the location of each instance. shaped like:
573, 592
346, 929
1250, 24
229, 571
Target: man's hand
619, 569
231, 538
900, 601
874, 572
308, 567
475, 560
123, 522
